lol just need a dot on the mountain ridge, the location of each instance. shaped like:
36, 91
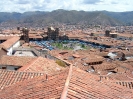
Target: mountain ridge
72, 17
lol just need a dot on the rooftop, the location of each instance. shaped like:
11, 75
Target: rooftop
9, 42
72, 84
8, 77
16, 60
41, 64
38, 87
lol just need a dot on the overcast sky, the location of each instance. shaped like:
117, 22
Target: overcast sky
50, 5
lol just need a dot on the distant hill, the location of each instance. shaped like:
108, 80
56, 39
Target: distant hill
5, 16
70, 17
125, 17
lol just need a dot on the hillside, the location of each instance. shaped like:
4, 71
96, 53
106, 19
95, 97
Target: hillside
71, 17
125, 17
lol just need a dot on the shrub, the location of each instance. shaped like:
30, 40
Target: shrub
61, 63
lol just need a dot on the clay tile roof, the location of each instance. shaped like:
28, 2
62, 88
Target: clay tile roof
75, 55
16, 60
42, 65
5, 37
72, 84
36, 88
125, 64
125, 79
105, 66
83, 86
7, 44
121, 77
64, 52
11, 77
92, 58
120, 69
129, 74
129, 60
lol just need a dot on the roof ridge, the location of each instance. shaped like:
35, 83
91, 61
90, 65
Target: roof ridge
65, 90
28, 65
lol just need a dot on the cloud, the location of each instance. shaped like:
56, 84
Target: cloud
114, 2
50, 5
22, 2
91, 1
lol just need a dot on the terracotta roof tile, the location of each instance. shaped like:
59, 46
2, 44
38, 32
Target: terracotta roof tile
127, 65
42, 65
122, 76
105, 66
129, 74
124, 79
11, 77
7, 44
76, 55
16, 60
80, 85
36, 88
5, 37
83, 86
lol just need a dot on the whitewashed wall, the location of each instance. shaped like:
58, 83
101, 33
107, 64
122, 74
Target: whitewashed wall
10, 50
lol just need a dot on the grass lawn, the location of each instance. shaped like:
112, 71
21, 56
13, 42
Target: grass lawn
60, 46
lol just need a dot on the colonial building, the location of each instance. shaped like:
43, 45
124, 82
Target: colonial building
25, 36
53, 34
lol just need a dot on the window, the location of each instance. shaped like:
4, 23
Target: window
15, 68
3, 67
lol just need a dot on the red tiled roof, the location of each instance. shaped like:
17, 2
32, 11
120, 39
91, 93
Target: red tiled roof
129, 74
127, 65
120, 69
105, 66
83, 86
36, 88
5, 37
82, 67
7, 44
94, 60
42, 65
91, 58
75, 55
78, 85
16, 60
11, 77
121, 77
